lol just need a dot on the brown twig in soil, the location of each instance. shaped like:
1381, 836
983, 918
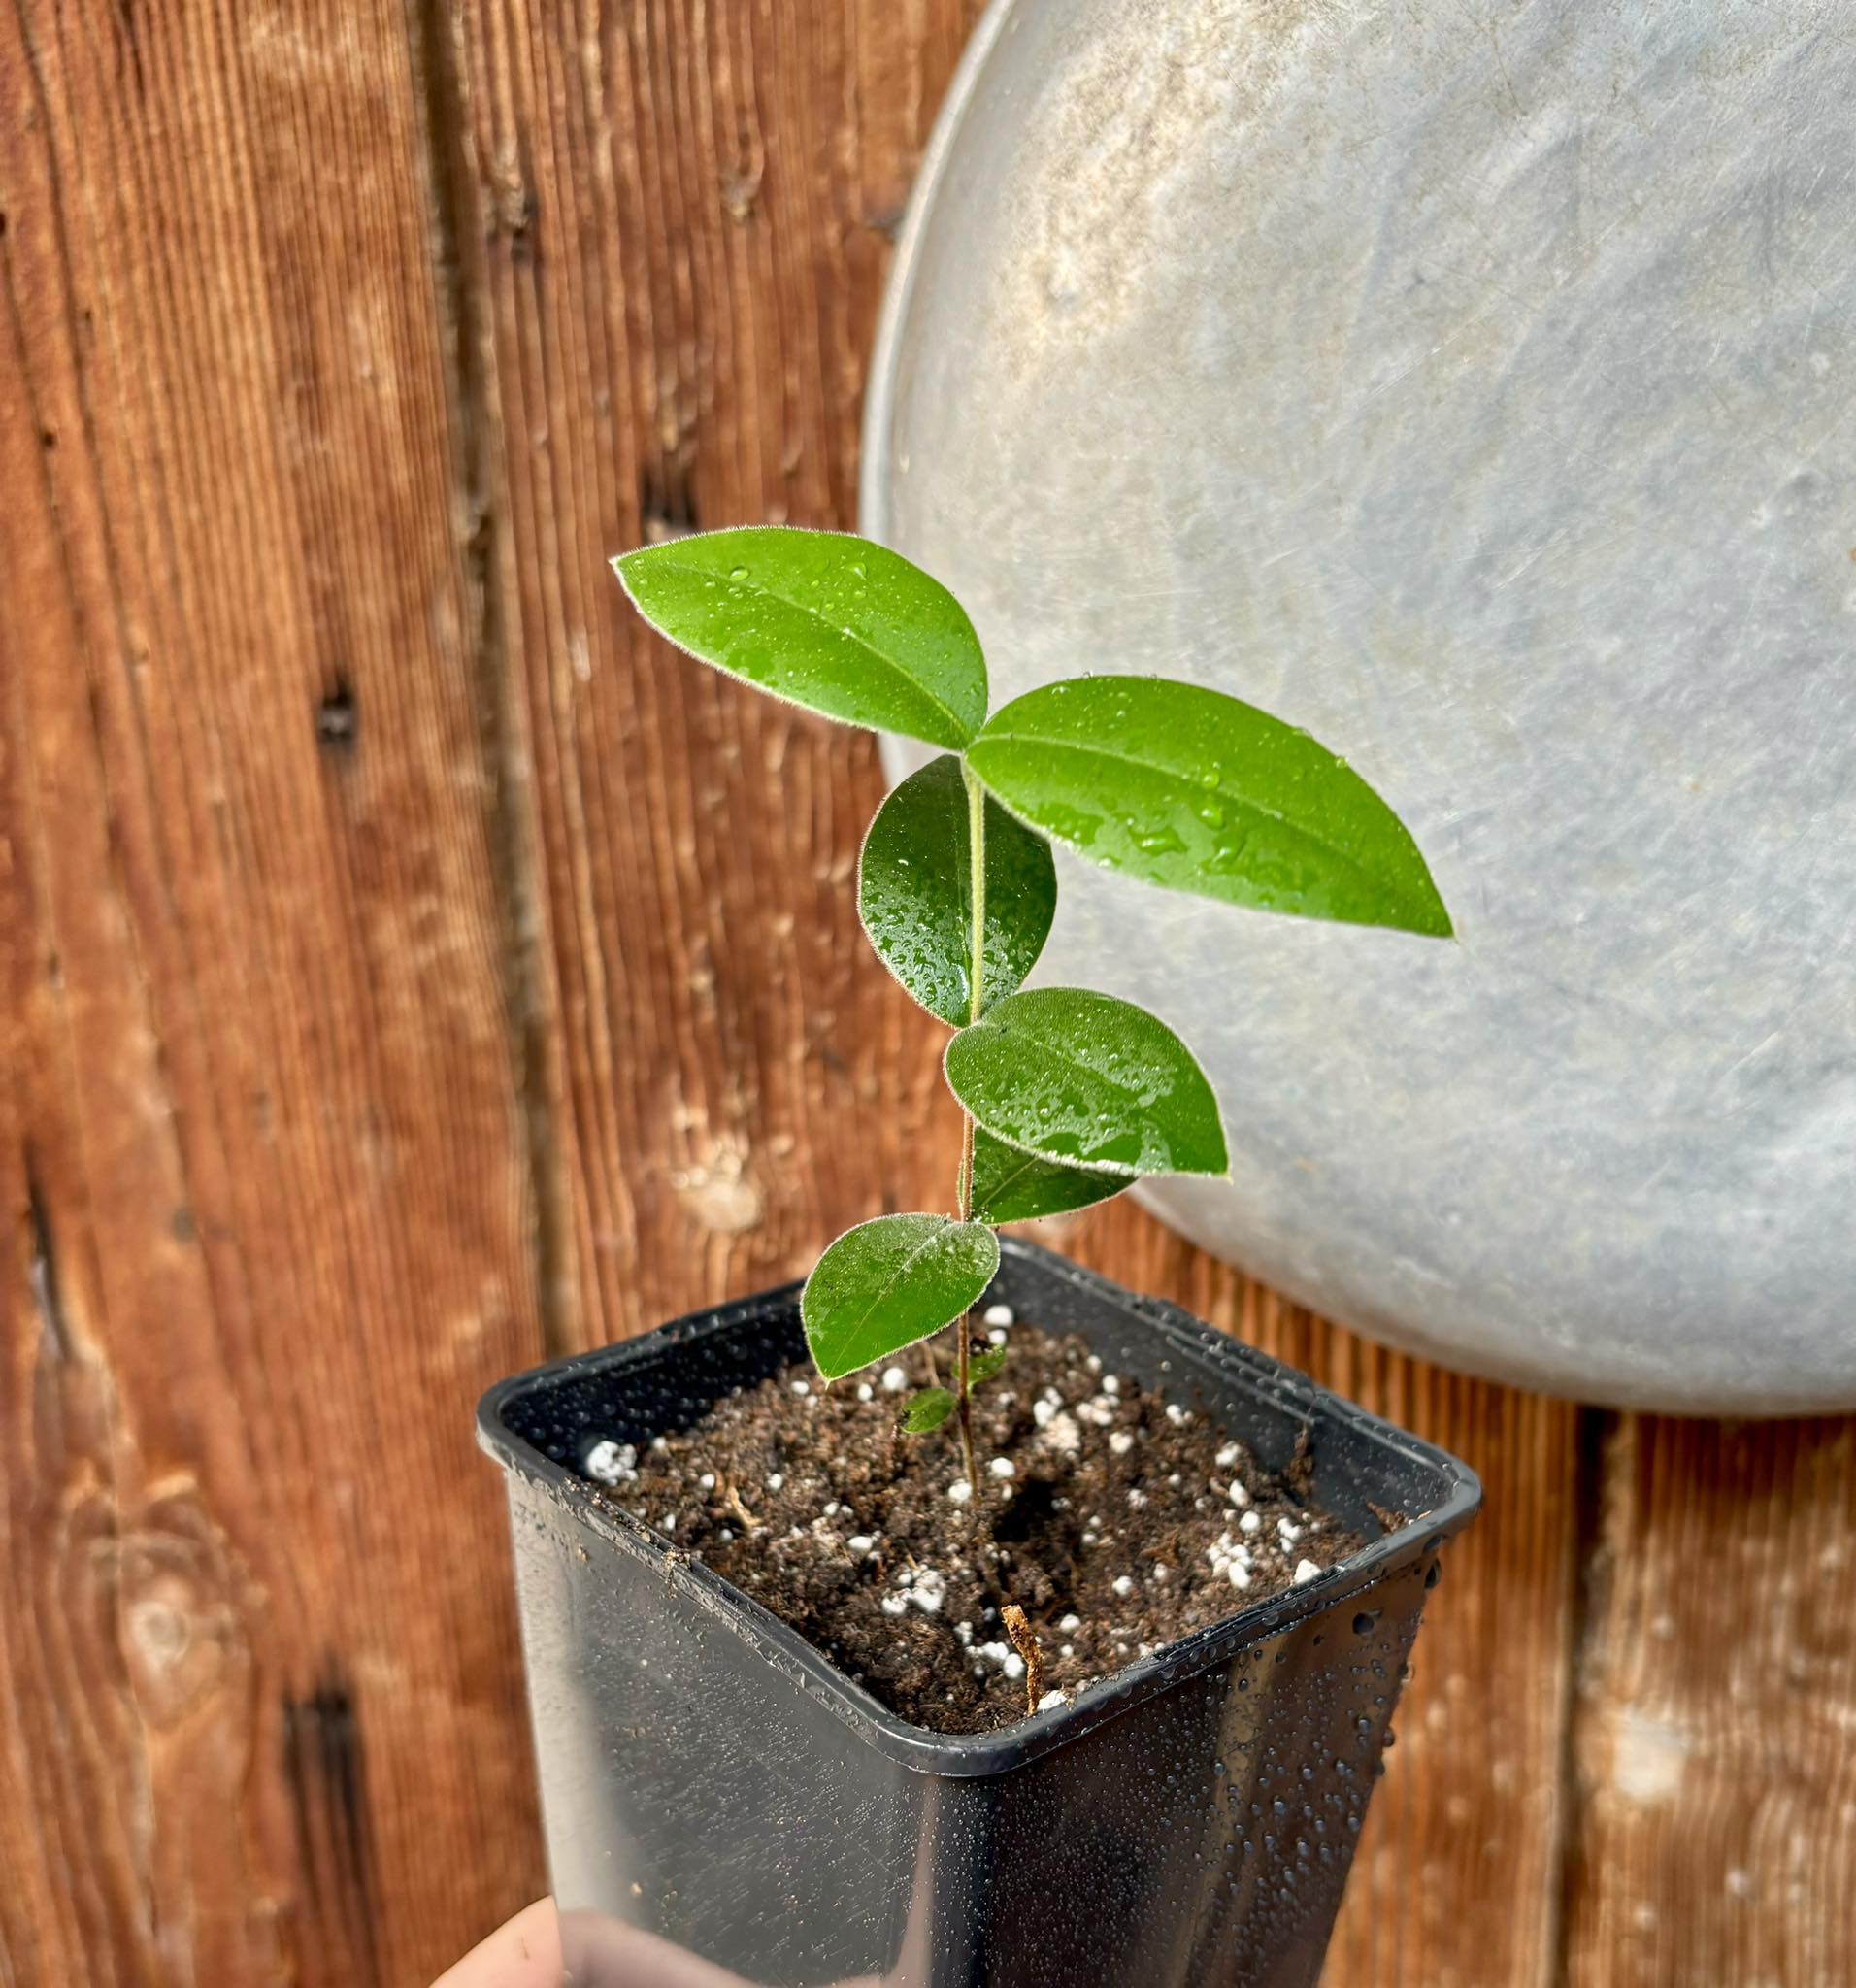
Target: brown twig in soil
1024, 1640
964, 1396
732, 1498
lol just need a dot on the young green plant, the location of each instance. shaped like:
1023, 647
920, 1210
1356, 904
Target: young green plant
1068, 1096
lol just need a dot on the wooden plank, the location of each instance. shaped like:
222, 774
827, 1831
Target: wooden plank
685, 215
1716, 1712
687, 210
266, 1222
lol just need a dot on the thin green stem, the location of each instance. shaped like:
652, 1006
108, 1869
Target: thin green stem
977, 891
977, 871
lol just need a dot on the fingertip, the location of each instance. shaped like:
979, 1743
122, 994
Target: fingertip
525, 1952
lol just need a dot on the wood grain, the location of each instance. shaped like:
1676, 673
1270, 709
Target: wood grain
266, 1223
1716, 1736
683, 216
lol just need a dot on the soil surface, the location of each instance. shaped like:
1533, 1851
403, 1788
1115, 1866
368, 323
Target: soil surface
1116, 1521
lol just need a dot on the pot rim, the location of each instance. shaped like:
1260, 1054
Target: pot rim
967, 1755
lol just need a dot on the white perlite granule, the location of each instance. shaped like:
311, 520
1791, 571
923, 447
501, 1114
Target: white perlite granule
1050, 1699
1003, 1467
1231, 1558
1305, 1569
895, 1379
960, 1491
1063, 1434
1000, 1315
929, 1591
612, 1463
1123, 1584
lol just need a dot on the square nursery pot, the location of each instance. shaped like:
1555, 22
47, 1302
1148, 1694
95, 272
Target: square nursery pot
709, 1779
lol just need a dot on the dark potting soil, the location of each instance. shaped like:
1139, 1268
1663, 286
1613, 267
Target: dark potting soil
1114, 1520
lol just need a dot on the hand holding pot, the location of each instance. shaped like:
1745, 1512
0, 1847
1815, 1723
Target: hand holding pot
539, 1948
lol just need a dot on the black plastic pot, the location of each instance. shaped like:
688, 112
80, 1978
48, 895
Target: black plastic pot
711, 1778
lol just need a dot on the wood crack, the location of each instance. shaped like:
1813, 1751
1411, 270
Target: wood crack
1596, 1430
456, 212
42, 1269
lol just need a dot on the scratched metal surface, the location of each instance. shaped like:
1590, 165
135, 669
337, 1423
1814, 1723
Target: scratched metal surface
1473, 387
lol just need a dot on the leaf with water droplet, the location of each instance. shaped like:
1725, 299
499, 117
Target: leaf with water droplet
914, 893
986, 1366
835, 624
1009, 1185
929, 1409
1117, 767
1036, 1073
891, 1281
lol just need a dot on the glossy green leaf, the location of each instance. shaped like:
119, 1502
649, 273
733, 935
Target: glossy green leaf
1090, 1080
984, 1367
1009, 1185
889, 1282
1187, 787
914, 893
839, 624
929, 1409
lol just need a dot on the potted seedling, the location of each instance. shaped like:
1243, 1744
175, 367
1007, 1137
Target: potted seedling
960, 1617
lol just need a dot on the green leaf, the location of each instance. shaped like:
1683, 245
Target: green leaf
889, 1282
837, 624
914, 893
1090, 1080
1014, 1186
929, 1409
983, 1367
1187, 787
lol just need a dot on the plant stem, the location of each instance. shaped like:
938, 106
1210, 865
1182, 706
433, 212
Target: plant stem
977, 891
976, 873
